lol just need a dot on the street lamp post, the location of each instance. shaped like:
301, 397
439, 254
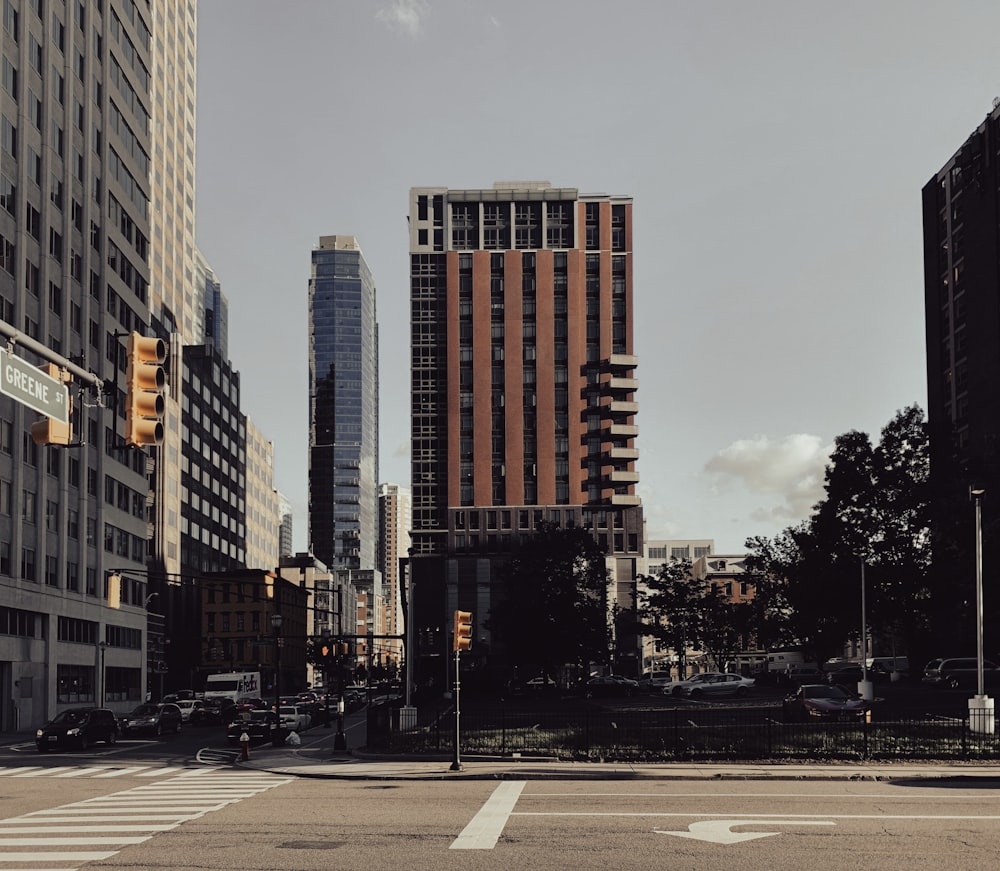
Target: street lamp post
981, 717
327, 678
276, 626
104, 649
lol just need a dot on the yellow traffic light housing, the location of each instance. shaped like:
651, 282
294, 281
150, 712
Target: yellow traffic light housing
144, 405
463, 630
114, 591
45, 430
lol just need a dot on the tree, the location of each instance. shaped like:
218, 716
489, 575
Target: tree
669, 609
725, 627
554, 606
876, 514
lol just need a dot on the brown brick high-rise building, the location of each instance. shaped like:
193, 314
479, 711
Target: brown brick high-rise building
523, 387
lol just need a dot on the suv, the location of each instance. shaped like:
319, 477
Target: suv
960, 671
152, 718
77, 727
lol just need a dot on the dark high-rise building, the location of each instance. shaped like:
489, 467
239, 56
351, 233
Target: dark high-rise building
523, 385
961, 219
343, 407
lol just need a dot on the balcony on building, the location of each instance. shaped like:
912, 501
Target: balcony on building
618, 453
620, 406
623, 430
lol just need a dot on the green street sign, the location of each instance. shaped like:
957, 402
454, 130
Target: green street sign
31, 386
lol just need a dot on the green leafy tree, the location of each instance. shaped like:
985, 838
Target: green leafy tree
875, 513
670, 609
554, 607
726, 626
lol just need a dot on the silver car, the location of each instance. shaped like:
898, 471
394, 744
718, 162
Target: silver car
711, 683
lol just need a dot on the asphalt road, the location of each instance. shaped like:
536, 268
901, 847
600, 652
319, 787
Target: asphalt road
223, 818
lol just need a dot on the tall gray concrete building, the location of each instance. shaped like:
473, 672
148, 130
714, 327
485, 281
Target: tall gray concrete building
76, 148
343, 407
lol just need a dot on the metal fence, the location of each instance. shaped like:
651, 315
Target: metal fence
680, 734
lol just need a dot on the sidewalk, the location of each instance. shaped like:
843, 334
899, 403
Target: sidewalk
317, 759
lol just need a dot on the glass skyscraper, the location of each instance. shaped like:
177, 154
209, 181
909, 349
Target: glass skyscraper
343, 406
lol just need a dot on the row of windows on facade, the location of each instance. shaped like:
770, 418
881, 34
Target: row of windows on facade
117, 541
131, 274
531, 518
12, 22
57, 42
507, 541
75, 684
213, 472
231, 545
81, 631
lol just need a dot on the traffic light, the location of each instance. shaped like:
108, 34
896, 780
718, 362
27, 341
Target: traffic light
143, 400
45, 430
114, 591
463, 630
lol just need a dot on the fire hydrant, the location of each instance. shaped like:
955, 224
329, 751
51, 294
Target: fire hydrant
244, 746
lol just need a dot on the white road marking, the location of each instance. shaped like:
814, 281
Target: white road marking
118, 772
41, 772
718, 831
130, 817
486, 826
65, 856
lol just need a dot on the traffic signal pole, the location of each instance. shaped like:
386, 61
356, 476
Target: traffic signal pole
461, 640
456, 761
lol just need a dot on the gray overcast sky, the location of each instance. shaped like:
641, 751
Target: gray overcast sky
775, 152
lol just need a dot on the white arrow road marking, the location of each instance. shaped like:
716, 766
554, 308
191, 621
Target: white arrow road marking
485, 827
718, 831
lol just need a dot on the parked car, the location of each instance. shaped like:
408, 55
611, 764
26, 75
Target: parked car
294, 718
823, 702
961, 671
713, 683
77, 727
653, 683
188, 707
257, 724
610, 685
800, 674
148, 717
847, 674
213, 712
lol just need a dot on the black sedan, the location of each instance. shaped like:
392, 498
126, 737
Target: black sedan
256, 724
77, 727
823, 702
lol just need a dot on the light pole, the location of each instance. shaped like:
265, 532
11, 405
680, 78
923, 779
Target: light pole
981, 717
866, 689
104, 649
327, 679
276, 626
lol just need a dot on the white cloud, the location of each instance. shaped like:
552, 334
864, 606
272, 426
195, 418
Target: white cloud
791, 468
405, 15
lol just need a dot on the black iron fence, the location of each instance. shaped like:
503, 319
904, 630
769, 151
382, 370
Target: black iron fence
680, 734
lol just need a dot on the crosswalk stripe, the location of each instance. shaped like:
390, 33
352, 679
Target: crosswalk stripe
65, 856
40, 772
65, 830
156, 772
118, 772
87, 842
79, 772
129, 817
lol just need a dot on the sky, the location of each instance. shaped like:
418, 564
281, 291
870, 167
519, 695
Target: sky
775, 153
